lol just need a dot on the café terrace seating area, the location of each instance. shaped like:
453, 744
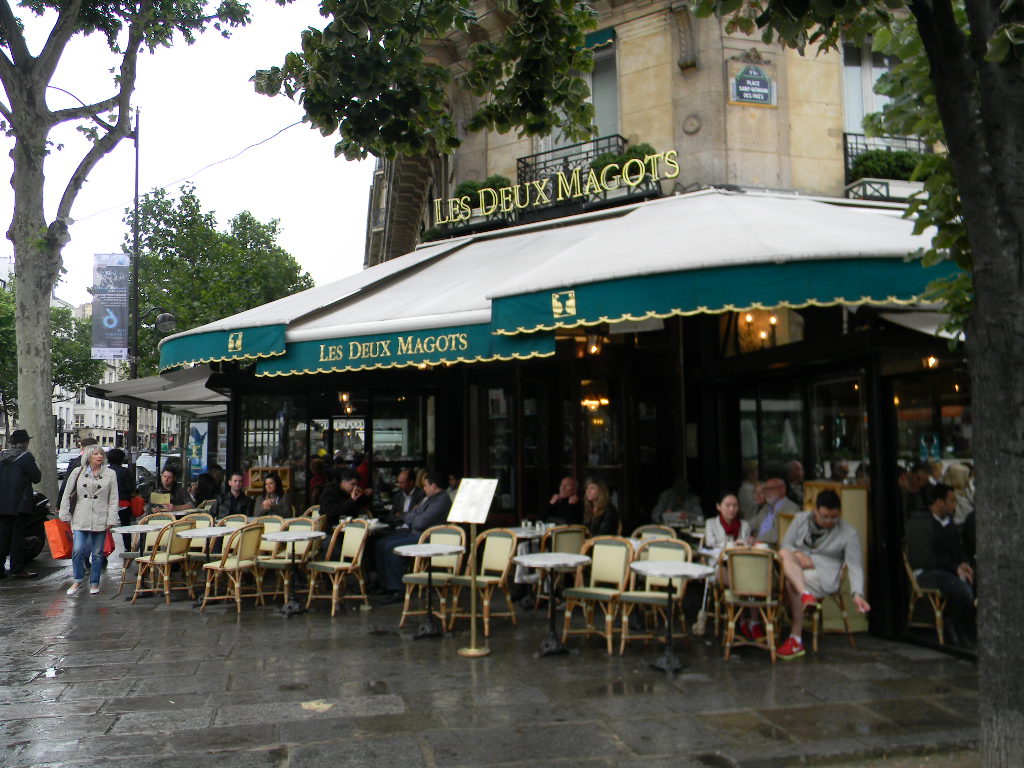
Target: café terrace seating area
621, 591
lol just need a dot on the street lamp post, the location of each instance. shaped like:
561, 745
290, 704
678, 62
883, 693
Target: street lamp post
133, 306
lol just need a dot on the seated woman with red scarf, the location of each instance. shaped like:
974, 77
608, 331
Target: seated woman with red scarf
728, 530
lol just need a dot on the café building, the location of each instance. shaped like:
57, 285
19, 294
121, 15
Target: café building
687, 336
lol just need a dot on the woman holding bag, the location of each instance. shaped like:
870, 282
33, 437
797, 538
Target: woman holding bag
94, 495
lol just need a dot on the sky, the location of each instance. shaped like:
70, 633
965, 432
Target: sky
198, 108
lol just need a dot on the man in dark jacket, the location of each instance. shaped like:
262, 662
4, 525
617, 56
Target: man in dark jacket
235, 501
18, 471
937, 558
341, 497
433, 510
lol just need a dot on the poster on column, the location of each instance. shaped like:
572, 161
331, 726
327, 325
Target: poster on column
197, 447
111, 274
473, 501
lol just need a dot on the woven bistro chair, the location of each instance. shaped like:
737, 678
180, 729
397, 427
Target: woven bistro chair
168, 551
271, 524
498, 546
312, 512
653, 596
607, 576
817, 609
353, 536
237, 559
280, 562
208, 505
650, 532
755, 580
233, 521
934, 597
561, 538
141, 544
441, 570
202, 519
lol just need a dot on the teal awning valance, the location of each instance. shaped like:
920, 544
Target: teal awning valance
433, 346
600, 38
791, 284
216, 346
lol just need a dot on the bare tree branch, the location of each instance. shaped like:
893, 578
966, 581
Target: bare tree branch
5, 112
12, 33
122, 128
63, 29
87, 110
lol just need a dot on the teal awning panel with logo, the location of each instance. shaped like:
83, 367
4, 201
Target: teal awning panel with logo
216, 346
793, 284
432, 346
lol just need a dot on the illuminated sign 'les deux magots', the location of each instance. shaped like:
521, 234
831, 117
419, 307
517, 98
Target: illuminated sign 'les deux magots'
561, 186
403, 346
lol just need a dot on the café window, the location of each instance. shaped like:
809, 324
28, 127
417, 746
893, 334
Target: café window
757, 329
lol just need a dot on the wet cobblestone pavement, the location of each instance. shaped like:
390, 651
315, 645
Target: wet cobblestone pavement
159, 685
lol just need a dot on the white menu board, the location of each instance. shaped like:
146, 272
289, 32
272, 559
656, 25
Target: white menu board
473, 500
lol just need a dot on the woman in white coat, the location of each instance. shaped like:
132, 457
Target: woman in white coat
95, 486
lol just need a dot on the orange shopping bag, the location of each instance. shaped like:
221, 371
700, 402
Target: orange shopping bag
60, 538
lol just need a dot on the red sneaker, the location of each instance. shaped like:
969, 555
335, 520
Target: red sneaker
744, 628
791, 649
808, 600
756, 632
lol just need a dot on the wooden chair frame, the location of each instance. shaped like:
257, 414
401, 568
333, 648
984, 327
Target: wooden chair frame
817, 610
442, 569
936, 600
354, 535
496, 548
755, 580
655, 596
610, 558
281, 561
168, 550
237, 558
650, 532
550, 543
142, 544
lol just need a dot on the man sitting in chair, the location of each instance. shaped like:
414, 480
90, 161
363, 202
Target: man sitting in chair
937, 558
433, 510
813, 552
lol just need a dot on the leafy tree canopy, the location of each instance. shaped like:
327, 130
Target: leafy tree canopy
190, 268
376, 73
73, 366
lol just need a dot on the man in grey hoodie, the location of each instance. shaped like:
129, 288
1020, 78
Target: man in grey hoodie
18, 471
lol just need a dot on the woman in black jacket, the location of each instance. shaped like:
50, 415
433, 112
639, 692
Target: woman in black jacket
125, 491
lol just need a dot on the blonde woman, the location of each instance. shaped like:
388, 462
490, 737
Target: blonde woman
95, 487
958, 477
599, 515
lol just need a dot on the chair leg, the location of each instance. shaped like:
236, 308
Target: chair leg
569, 606
485, 598
511, 607
335, 591
206, 593
609, 627
627, 610
165, 574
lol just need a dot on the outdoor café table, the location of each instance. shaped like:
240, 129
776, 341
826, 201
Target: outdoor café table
429, 626
526, 542
291, 605
664, 569
550, 561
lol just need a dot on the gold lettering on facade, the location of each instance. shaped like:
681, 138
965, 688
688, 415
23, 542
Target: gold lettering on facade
563, 185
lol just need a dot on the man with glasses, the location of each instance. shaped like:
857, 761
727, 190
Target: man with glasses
765, 524
814, 550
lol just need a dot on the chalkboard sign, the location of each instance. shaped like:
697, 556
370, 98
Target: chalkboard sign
753, 86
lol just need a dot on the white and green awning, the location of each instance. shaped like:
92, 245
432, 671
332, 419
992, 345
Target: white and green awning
503, 295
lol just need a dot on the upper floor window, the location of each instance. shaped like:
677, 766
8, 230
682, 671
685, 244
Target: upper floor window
861, 69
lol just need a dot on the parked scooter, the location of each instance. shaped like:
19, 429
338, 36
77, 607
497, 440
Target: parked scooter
35, 533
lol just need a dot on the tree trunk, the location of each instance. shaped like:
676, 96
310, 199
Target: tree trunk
37, 264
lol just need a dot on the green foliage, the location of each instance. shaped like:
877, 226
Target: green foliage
73, 366
468, 188
434, 233
201, 274
496, 181
372, 74
886, 164
632, 152
912, 110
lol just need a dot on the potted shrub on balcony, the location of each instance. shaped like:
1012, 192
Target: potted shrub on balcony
632, 152
885, 173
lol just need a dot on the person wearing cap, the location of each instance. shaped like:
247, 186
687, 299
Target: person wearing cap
18, 471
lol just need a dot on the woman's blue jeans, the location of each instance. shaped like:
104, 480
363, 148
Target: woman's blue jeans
88, 544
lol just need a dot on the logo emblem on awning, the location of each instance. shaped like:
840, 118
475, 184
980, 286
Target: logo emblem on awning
563, 303
235, 341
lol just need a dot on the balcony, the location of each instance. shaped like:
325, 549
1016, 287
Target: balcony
567, 159
884, 180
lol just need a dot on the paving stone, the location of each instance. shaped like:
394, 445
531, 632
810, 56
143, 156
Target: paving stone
490, 746
363, 706
165, 721
403, 750
676, 734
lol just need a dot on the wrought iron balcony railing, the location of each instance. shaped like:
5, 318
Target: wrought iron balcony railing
856, 144
566, 159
